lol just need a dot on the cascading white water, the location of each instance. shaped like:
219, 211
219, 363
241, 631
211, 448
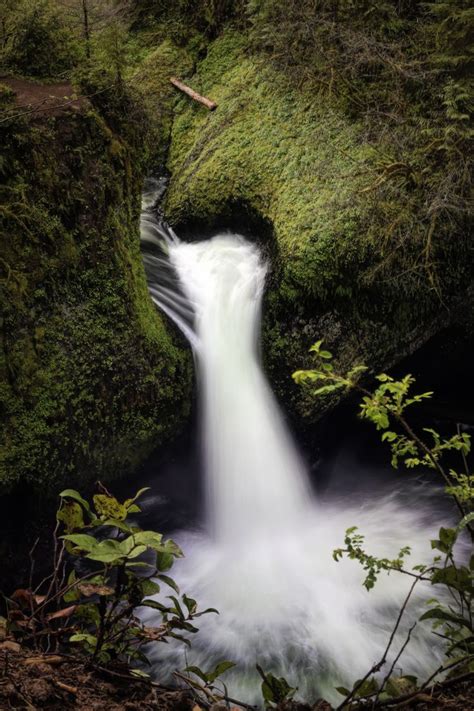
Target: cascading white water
252, 466
264, 559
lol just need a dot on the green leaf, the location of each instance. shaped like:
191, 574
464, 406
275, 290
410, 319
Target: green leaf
316, 346
128, 503
369, 686
465, 521
438, 613
73, 494
108, 551
82, 541
457, 577
116, 523
71, 515
399, 685
133, 509
108, 507
82, 637
447, 538
154, 605
169, 581
171, 547
177, 607
153, 540
191, 604
206, 612
164, 561
149, 587
389, 436
71, 595
135, 552
221, 668
139, 564
275, 689
198, 672
183, 625
149, 538
326, 389
355, 371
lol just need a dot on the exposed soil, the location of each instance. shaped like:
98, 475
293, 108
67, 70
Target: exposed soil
37, 681
30, 680
44, 99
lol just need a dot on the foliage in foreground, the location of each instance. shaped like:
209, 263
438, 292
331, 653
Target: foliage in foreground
105, 568
452, 607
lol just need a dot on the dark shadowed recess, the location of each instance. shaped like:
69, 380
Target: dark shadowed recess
237, 216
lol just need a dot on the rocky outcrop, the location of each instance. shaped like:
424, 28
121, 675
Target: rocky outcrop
345, 239
91, 377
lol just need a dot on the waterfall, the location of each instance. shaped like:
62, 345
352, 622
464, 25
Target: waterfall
264, 558
251, 463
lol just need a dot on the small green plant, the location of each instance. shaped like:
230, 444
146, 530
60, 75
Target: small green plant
452, 609
105, 568
275, 690
203, 683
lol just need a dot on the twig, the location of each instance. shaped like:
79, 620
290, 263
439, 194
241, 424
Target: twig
392, 667
63, 591
65, 687
130, 677
212, 698
376, 667
435, 463
192, 685
32, 568
401, 700
464, 460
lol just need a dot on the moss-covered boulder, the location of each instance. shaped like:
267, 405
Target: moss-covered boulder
91, 378
348, 248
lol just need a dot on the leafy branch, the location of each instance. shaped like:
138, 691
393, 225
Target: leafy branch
98, 610
385, 407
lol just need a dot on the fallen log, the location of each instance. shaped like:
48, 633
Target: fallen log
208, 103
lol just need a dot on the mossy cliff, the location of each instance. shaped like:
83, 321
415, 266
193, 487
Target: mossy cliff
153, 79
90, 376
350, 257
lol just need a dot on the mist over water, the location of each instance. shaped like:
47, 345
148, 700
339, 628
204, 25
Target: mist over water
264, 558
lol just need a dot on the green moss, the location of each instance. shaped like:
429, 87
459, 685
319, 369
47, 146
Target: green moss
263, 147
153, 79
91, 378
346, 256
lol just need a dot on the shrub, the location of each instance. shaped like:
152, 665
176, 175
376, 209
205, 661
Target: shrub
36, 40
105, 567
